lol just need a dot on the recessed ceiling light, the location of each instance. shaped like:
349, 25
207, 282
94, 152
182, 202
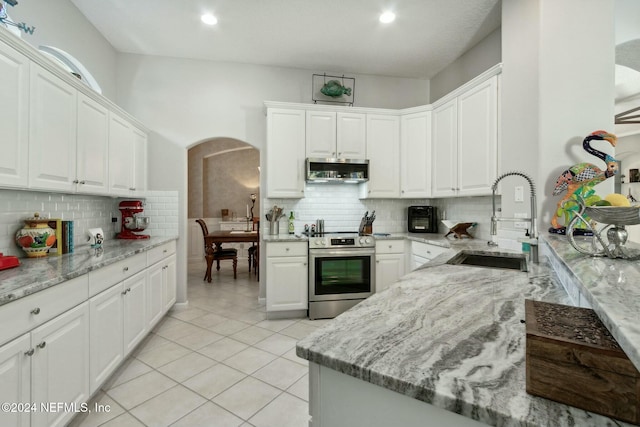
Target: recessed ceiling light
209, 19
387, 17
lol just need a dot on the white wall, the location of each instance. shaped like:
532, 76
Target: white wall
557, 88
479, 58
60, 24
187, 101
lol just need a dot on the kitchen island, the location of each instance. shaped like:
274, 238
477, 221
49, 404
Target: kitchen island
445, 335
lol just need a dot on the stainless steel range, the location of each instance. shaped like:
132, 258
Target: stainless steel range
341, 272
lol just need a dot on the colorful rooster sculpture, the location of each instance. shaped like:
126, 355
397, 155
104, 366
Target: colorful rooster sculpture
584, 174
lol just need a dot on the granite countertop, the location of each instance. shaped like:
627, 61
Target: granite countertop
284, 238
451, 336
36, 274
612, 288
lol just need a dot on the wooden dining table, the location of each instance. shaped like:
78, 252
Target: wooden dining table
215, 239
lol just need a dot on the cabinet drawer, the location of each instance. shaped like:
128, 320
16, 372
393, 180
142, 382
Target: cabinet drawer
32, 311
276, 249
161, 252
426, 250
389, 246
105, 277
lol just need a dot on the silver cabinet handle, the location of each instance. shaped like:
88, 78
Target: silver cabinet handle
35, 310
128, 290
29, 352
123, 292
75, 181
125, 269
164, 251
287, 249
43, 344
83, 182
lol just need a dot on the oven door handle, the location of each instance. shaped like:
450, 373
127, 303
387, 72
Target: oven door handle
322, 253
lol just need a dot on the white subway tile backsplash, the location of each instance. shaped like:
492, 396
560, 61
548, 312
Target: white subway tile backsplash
86, 212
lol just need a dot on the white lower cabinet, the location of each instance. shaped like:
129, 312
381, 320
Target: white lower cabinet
118, 324
423, 252
59, 345
169, 283
45, 366
161, 282
287, 276
390, 262
15, 380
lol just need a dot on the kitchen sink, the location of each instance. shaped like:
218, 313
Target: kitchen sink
490, 260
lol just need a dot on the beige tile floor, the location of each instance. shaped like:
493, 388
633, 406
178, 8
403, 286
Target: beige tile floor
216, 363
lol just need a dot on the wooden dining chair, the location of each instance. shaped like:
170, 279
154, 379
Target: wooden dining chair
214, 254
254, 247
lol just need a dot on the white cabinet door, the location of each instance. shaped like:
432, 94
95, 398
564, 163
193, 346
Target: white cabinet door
14, 110
15, 380
445, 149
155, 294
287, 283
93, 147
106, 319
415, 155
285, 153
169, 282
140, 160
321, 134
383, 150
477, 139
351, 135
121, 156
52, 132
60, 365
389, 268
135, 311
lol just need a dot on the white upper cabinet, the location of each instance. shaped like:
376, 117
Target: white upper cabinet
415, 155
285, 153
52, 132
351, 135
321, 134
445, 149
55, 134
121, 155
465, 142
14, 110
478, 139
139, 160
93, 147
336, 135
383, 150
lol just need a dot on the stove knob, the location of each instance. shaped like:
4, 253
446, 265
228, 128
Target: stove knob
367, 240
361, 240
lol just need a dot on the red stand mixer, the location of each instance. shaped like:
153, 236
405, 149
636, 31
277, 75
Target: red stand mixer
131, 221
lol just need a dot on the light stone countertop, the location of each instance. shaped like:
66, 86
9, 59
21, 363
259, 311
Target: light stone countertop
37, 274
452, 336
283, 238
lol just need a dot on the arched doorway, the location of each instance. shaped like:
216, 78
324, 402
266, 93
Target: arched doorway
223, 173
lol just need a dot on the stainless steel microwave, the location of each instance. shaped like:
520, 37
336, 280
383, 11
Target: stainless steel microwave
422, 219
348, 171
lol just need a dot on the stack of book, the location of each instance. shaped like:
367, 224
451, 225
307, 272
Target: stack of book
64, 237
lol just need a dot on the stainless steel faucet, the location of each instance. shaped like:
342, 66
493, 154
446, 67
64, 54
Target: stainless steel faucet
533, 230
